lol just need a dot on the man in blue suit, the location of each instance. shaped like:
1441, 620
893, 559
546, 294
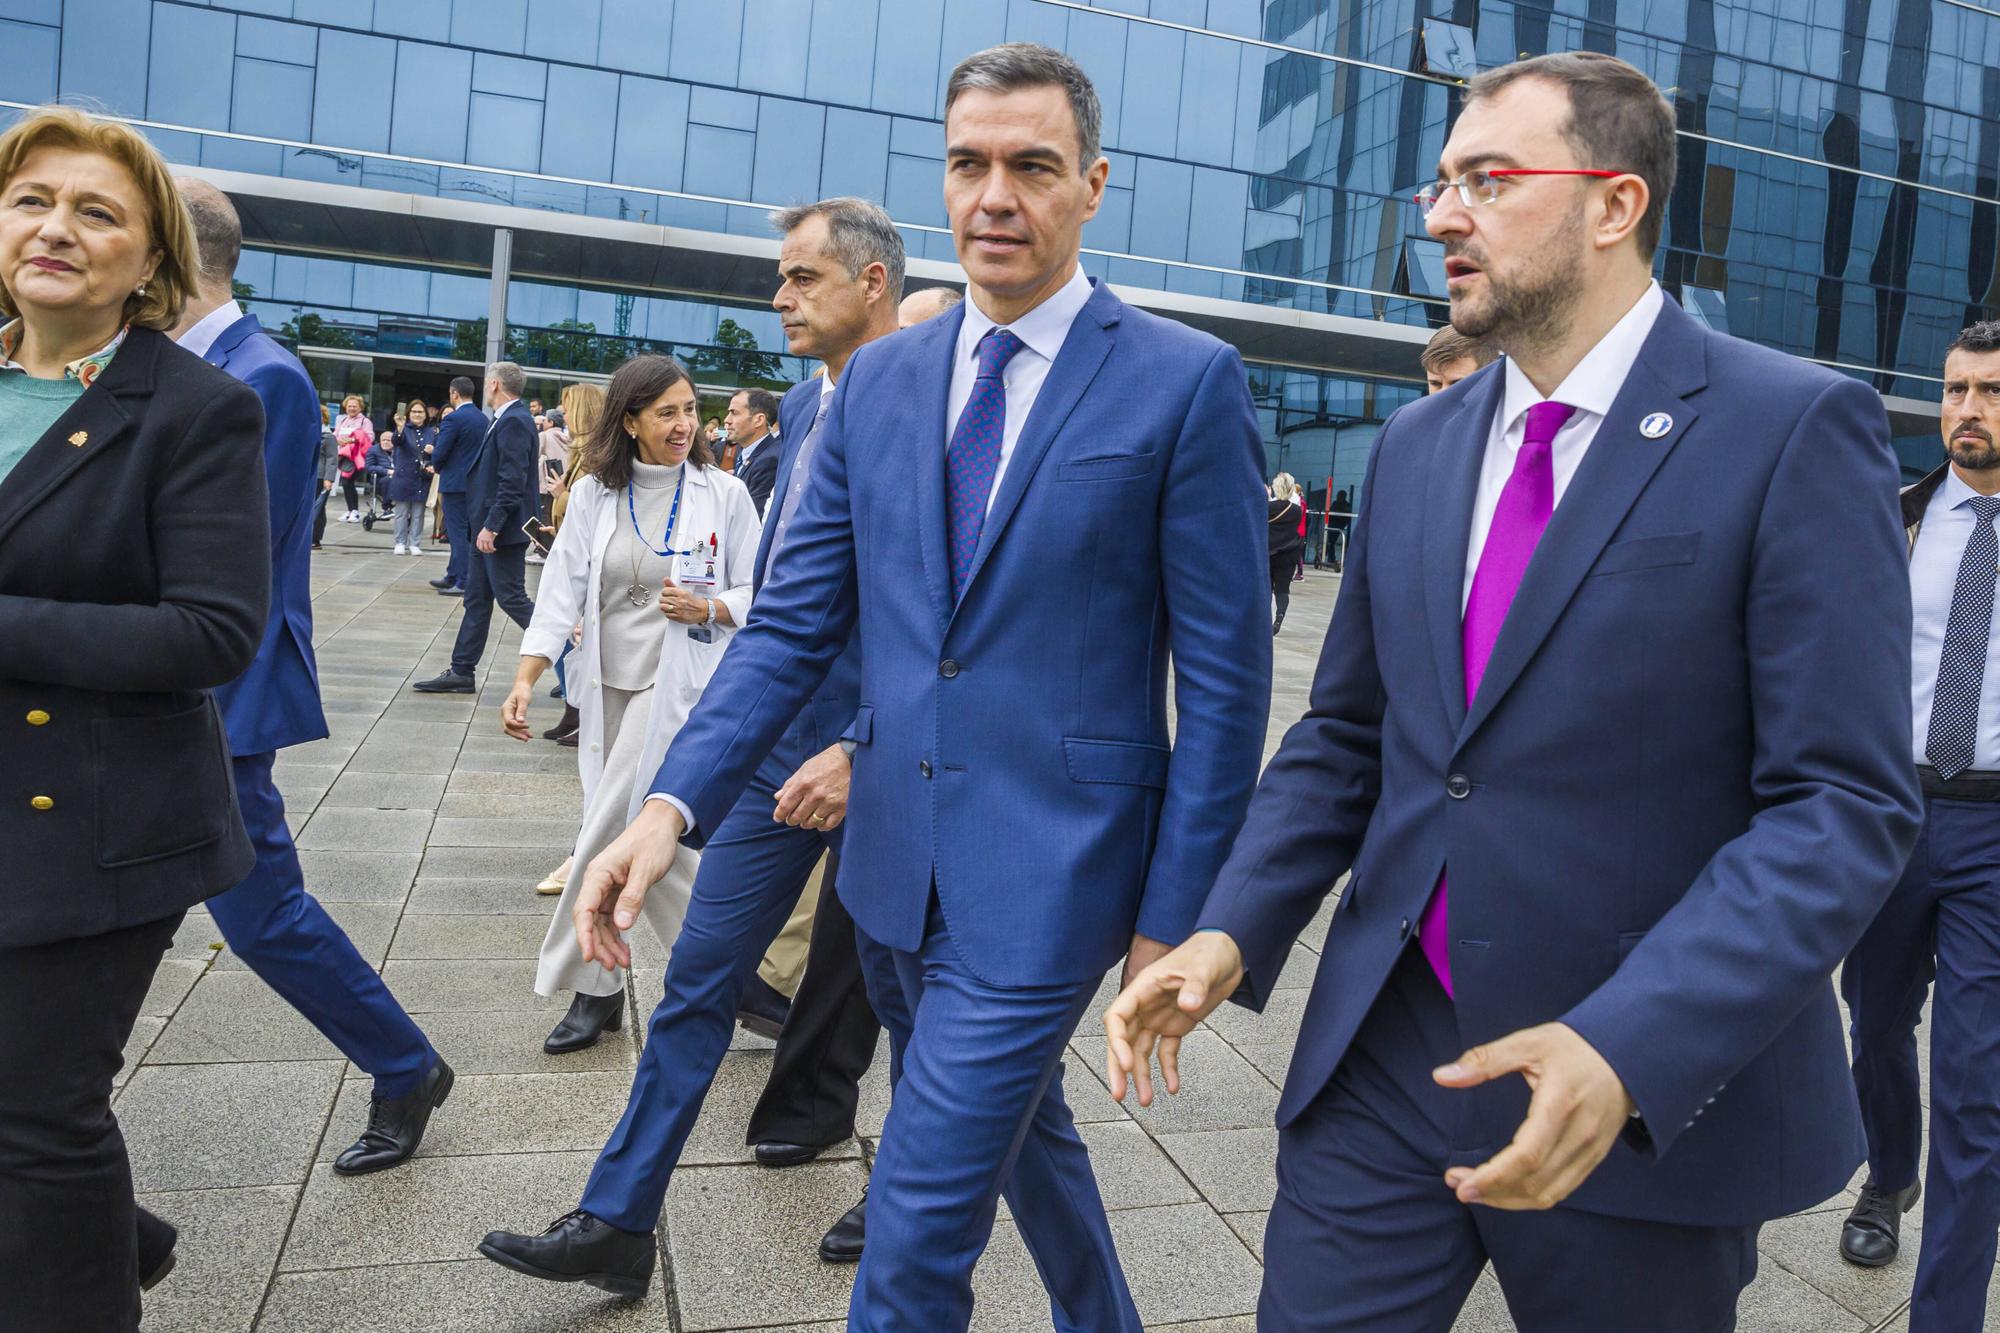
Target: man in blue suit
1616, 745
278, 929
459, 433
1025, 507
500, 495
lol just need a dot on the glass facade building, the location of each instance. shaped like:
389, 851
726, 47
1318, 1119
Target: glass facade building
1839, 166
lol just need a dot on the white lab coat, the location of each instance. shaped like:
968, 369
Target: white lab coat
571, 588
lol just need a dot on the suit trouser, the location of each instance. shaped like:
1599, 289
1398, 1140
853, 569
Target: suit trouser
458, 532
499, 577
1364, 1235
68, 1254
1942, 921
752, 870
978, 1112
283, 935
828, 1039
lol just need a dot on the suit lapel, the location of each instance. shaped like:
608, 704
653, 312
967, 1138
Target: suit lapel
1459, 452
933, 396
229, 340
1619, 464
100, 419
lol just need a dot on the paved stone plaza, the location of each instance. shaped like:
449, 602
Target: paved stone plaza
423, 829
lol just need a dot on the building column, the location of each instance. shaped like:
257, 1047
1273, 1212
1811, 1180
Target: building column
496, 310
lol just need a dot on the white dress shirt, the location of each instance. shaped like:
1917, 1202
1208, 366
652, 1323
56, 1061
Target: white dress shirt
1041, 331
1590, 388
203, 335
744, 452
1947, 527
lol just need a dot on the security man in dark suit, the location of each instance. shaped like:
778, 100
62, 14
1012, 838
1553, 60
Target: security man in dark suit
459, 432
500, 494
752, 415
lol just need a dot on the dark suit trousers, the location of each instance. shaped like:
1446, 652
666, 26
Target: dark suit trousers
68, 1258
458, 533
828, 1040
1364, 1235
500, 577
1942, 921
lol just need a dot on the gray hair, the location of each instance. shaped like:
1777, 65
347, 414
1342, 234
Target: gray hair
1016, 65
513, 379
858, 233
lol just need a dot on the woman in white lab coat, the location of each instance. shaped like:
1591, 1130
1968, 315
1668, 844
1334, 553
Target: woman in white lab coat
654, 561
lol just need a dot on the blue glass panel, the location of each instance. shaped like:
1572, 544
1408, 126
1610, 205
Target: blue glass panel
906, 60
1215, 222
345, 113
1244, 18
426, 19
508, 76
403, 177
635, 35
1425, 262
260, 159
1097, 42
652, 131
777, 47
788, 145
969, 25
323, 164
253, 269
551, 196
747, 222
384, 287
917, 138
346, 13
694, 215
1111, 229
266, 39
329, 282
433, 91
718, 161
1707, 305
1033, 21
577, 124
708, 40
857, 155
496, 25
483, 187
1449, 49
723, 109
288, 282
842, 59
28, 61
184, 41
1160, 209
505, 132
539, 304
281, 9
563, 29
1149, 116
916, 190
1209, 95
46, 12
112, 72
457, 296
272, 99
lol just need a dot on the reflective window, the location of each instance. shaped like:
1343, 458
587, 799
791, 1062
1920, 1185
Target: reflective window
28, 60
433, 96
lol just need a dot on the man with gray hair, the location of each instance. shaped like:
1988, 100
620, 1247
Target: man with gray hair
927, 304
500, 492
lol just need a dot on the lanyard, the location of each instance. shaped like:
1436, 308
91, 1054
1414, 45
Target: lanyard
673, 514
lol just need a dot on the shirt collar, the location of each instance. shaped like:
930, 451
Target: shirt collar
1594, 384
1041, 330
1953, 493
210, 327
84, 370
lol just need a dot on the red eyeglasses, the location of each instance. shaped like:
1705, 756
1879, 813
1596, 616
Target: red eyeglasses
1483, 187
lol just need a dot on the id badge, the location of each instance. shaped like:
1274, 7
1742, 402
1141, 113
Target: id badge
696, 573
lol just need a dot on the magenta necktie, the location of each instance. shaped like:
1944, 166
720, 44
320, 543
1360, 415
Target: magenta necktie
1526, 502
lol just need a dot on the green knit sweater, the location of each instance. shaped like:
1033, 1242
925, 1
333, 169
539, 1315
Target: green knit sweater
28, 407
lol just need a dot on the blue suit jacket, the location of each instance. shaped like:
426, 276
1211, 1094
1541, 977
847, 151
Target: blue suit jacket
1014, 746
276, 702
500, 487
459, 433
1681, 794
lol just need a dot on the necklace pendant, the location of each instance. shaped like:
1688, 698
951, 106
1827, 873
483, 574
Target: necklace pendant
640, 594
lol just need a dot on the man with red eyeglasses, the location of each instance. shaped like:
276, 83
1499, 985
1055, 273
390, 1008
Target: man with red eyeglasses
1616, 747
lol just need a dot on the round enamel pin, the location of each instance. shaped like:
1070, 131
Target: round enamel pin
1656, 425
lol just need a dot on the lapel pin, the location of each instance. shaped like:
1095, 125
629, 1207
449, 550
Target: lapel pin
1655, 425
80, 439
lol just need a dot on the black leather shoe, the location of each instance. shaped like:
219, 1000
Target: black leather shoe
448, 682
156, 1249
786, 1154
396, 1125
589, 1017
843, 1241
762, 1009
442, 583
567, 727
1873, 1233
578, 1248
453, 591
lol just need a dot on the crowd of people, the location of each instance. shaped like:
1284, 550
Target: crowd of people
1620, 756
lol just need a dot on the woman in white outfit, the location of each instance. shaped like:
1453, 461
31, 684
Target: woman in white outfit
654, 559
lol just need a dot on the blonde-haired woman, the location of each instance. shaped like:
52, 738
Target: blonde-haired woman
654, 560
131, 485
1287, 514
356, 436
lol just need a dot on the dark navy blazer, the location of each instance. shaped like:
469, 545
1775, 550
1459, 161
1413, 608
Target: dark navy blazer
760, 473
276, 702
1014, 745
459, 433
500, 488
1683, 790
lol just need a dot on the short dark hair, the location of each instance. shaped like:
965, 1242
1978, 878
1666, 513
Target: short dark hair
1448, 345
1618, 121
608, 451
463, 386
1979, 338
1015, 65
761, 401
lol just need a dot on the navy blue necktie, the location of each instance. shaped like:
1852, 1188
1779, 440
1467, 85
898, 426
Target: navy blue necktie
974, 455
1954, 732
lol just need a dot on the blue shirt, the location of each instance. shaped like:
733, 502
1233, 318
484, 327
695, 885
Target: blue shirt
1947, 527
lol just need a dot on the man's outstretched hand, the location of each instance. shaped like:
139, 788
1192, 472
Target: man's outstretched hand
616, 882
1161, 1004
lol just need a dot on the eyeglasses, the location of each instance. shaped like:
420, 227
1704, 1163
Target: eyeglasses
1483, 187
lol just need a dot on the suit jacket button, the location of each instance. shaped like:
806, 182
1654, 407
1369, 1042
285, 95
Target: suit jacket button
924, 767
1405, 928
948, 668
38, 718
43, 803
1458, 786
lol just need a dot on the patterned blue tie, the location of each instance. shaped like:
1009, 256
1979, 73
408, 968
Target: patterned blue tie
974, 454
1962, 665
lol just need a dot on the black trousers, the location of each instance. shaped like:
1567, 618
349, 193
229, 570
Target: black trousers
319, 516
828, 1040
351, 489
500, 577
68, 1255
1282, 569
